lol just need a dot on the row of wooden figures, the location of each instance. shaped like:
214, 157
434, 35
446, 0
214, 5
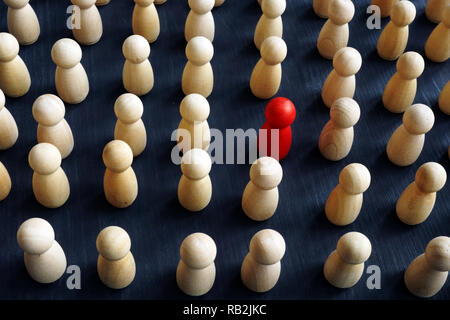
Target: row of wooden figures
46, 262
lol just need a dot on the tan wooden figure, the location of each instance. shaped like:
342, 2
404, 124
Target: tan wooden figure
102, 2
71, 80
266, 76
193, 130
260, 197
120, 182
345, 201
194, 188
137, 72
129, 126
115, 265
385, 6
336, 138
160, 1
270, 24
196, 270
218, 3
417, 201
401, 89
15, 79
48, 111
394, 38
198, 74
8, 127
91, 26
320, 8
427, 274
22, 21
437, 47
341, 82
5, 182
435, 8
261, 267
444, 99
50, 184
406, 143
200, 21
335, 32
44, 258
145, 20
345, 265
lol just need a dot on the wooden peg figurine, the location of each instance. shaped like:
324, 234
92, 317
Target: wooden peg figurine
427, 274
146, 20
435, 8
5, 182
437, 47
401, 89
444, 99
406, 143
48, 111
320, 8
8, 127
100, 3
385, 6
345, 265
15, 79
91, 26
196, 270
22, 21
119, 183
270, 24
200, 21
417, 201
218, 3
71, 80
115, 265
341, 82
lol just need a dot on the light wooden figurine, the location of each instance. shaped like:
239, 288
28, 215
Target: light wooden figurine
435, 8
137, 71
91, 27
5, 182
270, 24
336, 138
406, 143
345, 265
198, 74
417, 201
260, 197
266, 76
401, 89
394, 37
48, 111
160, 1
102, 2
427, 274
129, 126
261, 267
50, 184
44, 258
335, 32
15, 79
341, 82
385, 6
145, 20
200, 21
115, 265
22, 21
218, 3
437, 47
71, 80
8, 127
320, 8
119, 183
194, 188
444, 99
196, 270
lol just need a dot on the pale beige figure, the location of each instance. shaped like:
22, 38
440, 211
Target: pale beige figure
417, 201
266, 76
44, 258
5, 182
345, 265
335, 32
48, 111
437, 47
196, 270
194, 188
406, 143
341, 82
200, 21
22, 21
198, 74
270, 24
129, 126
102, 2
50, 184
336, 138
71, 80
218, 3
260, 197
385, 6
137, 72
427, 274
320, 8
145, 20
394, 37
15, 79
444, 99
91, 26
401, 89
435, 8
120, 182
8, 127
261, 267
115, 265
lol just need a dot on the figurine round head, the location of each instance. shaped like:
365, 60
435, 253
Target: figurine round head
418, 119
266, 173
410, 65
341, 11
194, 107
48, 110
403, 13
136, 48
16, 4
437, 253
199, 50
66, 53
347, 61
113, 243
117, 156
44, 158
9, 47
267, 247
273, 8
273, 50
345, 112
35, 236
355, 178
128, 108
354, 248
280, 112
431, 177
198, 250
196, 164
201, 6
